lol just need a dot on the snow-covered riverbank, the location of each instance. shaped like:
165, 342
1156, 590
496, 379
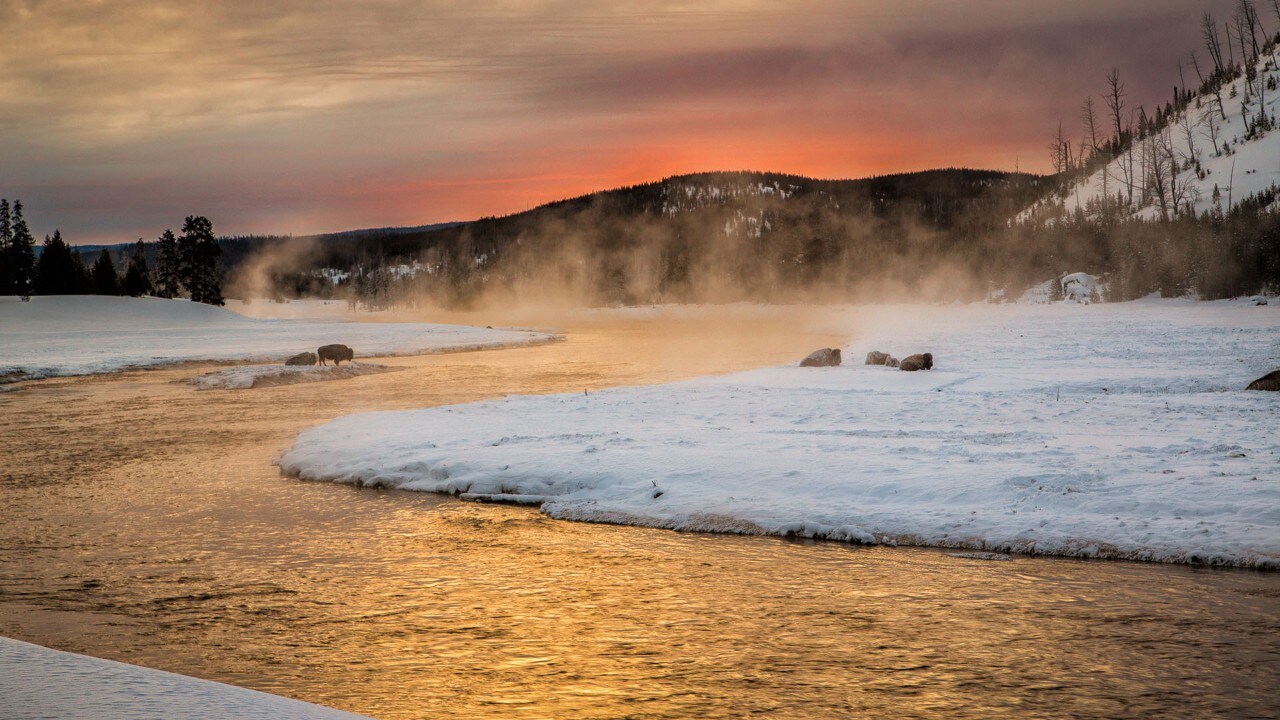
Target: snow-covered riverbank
37, 683
82, 335
1115, 430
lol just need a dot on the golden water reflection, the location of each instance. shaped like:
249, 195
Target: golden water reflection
144, 523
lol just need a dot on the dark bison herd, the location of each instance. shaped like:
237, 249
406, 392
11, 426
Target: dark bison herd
336, 353
830, 357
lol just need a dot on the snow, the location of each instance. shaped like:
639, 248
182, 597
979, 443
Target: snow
256, 376
1079, 287
81, 335
1106, 430
1251, 167
37, 682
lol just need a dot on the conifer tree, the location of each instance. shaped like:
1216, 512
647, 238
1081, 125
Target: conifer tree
105, 280
22, 255
168, 275
198, 253
137, 279
81, 282
55, 271
6, 236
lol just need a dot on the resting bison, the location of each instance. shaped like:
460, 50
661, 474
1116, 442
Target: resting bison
875, 357
306, 358
826, 357
1270, 381
917, 362
336, 353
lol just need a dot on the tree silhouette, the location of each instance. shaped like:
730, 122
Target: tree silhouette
105, 280
137, 279
168, 275
198, 253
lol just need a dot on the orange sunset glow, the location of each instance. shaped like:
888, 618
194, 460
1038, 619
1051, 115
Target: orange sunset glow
312, 117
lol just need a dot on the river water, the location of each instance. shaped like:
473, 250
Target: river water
144, 522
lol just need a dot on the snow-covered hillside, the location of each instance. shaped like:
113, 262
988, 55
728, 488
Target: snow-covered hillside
37, 683
1116, 430
1198, 161
85, 334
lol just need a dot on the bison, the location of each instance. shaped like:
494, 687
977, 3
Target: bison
826, 357
336, 353
1270, 381
917, 362
875, 357
306, 358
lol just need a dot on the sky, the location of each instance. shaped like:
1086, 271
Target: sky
119, 118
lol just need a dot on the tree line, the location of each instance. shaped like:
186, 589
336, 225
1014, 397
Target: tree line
186, 264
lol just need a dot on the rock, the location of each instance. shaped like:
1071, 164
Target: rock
826, 357
337, 353
917, 362
306, 358
1270, 381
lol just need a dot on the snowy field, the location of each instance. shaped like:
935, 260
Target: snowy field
37, 683
1108, 430
82, 335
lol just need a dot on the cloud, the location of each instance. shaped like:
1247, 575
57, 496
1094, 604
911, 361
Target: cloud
304, 116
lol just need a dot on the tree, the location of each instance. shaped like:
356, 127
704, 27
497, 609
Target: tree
55, 270
137, 279
168, 274
80, 274
6, 238
198, 253
22, 255
104, 278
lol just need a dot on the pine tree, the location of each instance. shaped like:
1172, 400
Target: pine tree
6, 237
55, 270
198, 253
168, 275
105, 280
22, 255
137, 279
82, 283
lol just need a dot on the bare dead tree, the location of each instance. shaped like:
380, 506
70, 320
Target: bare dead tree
1249, 20
1158, 160
1115, 101
1089, 119
1212, 124
1209, 33
1191, 157
1055, 152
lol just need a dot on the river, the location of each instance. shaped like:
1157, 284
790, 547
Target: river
144, 522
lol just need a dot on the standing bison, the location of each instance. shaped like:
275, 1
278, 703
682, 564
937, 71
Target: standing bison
336, 353
1270, 381
306, 358
826, 357
917, 362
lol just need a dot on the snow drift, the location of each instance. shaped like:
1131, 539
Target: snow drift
37, 682
1117, 431
81, 335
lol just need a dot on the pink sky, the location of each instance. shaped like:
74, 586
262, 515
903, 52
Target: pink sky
120, 118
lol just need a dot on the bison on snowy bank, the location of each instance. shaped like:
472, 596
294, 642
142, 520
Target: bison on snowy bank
826, 357
917, 362
336, 352
1270, 381
306, 358
875, 357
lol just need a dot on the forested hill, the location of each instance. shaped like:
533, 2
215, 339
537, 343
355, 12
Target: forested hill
706, 236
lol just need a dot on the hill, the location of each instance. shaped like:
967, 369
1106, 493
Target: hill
706, 236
